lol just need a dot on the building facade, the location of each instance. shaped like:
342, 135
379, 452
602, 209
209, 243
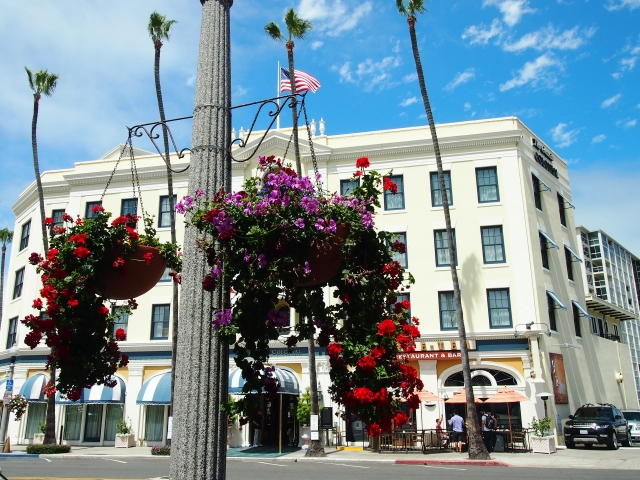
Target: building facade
517, 254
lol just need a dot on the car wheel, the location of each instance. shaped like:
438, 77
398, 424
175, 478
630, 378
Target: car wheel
613, 445
628, 442
570, 445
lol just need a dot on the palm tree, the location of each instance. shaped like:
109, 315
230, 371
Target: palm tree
6, 236
296, 28
43, 83
477, 449
160, 29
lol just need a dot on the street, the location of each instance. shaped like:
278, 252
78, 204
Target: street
269, 469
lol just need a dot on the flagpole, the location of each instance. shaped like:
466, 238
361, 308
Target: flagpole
278, 117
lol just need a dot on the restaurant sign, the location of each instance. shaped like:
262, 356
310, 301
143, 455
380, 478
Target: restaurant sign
439, 355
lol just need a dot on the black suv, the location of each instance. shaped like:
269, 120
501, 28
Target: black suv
599, 423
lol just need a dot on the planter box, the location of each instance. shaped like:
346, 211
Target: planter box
543, 444
38, 438
125, 441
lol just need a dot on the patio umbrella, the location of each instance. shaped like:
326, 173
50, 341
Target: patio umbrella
427, 397
461, 398
506, 395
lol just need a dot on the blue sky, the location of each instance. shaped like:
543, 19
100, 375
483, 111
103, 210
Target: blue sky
567, 68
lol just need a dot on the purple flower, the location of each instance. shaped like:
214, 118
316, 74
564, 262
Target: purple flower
262, 261
278, 318
307, 270
300, 223
320, 224
200, 193
188, 201
246, 256
180, 208
221, 318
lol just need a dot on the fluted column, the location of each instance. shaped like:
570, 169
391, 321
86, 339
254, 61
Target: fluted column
200, 427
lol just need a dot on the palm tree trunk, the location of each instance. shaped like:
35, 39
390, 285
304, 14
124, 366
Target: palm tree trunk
50, 432
4, 254
172, 220
294, 110
315, 446
477, 449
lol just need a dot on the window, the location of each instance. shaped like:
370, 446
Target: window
129, 206
568, 258
616, 332
165, 276
436, 192
544, 251
347, 187
160, 322
594, 326
442, 248
492, 245
499, 308
448, 319
24, 235
90, 205
487, 181
576, 321
120, 321
404, 296
551, 309
397, 256
606, 327
536, 192
11, 335
17, 285
164, 216
391, 201
57, 219
563, 217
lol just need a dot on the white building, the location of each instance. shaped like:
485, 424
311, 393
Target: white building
523, 298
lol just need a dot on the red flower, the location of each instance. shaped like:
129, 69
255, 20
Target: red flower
378, 352
102, 310
363, 162
35, 258
132, 233
363, 395
49, 389
121, 335
66, 217
48, 221
382, 397
386, 328
358, 173
398, 247
406, 343
385, 424
74, 393
51, 254
411, 330
367, 363
147, 257
132, 303
348, 399
121, 220
400, 419
209, 283
345, 297
389, 185
414, 402
79, 238
118, 263
97, 209
81, 252
406, 304
73, 303
392, 268
79, 221
373, 430
334, 350
37, 304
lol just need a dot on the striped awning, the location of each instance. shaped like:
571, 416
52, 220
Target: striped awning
287, 380
582, 310
32, 388
97, 394
156, 391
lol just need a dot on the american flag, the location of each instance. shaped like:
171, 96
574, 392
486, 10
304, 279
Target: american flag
304, 81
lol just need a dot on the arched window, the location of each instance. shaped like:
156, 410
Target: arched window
480, 380
501, 378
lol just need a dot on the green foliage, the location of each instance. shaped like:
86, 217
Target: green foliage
42, 82
42, 426
157, 450
18, 405
159, 27
296, 27
48, 449
123, 427
303, 413
540, 427
6, 236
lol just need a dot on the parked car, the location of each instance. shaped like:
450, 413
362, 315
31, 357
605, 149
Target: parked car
597, 424
633, 419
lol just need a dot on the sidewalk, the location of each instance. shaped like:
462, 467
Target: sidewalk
595, 458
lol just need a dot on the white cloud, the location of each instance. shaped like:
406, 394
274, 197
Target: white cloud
512, 10
618, 4
409, 101
628, 63
460, 78
333, 16
316, 44
239, 91
638, 106
467, 106
372, 74
610, 101
598, 138
616, 75
345, 72
627, 123
481, 35
534, 73
412, 77
562, 137
548, 38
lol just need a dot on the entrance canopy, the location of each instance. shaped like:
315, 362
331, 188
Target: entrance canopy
98, 394
156, 391
32, 388
287, 380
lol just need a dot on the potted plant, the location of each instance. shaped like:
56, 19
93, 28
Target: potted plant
542, 441
38, 438
86, 258
124, 434
303, 415
270, 242
18, 405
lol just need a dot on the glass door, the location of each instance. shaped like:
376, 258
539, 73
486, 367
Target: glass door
93, 423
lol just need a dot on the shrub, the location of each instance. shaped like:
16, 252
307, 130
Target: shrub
48, 449
303, 414
540, 427
161, 450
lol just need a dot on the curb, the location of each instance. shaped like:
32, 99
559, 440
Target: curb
19, 455
477, 463
76, 456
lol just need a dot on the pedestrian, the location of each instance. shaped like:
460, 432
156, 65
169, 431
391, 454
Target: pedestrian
257, 421
290, 433
488, 427
457, 424
441, 433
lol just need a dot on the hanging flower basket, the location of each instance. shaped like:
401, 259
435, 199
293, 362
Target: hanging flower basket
281, 238
88, 262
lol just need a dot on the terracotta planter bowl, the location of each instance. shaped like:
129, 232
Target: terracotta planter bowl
138, 277
325, 260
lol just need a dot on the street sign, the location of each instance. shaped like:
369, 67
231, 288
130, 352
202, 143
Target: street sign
9, 386
7, 397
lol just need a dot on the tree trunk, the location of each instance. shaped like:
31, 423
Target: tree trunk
294, 110
477, 450
315, 446
50, 431
202, 362
172, 220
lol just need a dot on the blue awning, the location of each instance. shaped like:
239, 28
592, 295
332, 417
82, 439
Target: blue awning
556, 300
582, 310
287, 380
156, 391
549, 239
98, 394
63, 400
575, 255
567, 201
32, 388
540, 180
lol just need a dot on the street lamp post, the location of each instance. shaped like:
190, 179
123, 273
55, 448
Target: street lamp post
13, 351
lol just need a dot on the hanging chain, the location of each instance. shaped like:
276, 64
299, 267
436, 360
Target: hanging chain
114, 169
135, 180
313, 153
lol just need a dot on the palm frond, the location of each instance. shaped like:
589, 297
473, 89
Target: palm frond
417, 6
6, 236
166, 30
401, 8
30, 78
273, 30
296, 26
159, 27
45, 82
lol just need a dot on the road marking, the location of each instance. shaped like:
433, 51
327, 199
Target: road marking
45, 459
112, 460
444, 468
346, 465
273, 464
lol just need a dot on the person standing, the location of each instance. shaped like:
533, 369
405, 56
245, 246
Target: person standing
257, 421
457, 424
290, 431
488, 425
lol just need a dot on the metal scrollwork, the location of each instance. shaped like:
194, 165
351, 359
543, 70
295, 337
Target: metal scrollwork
141, 130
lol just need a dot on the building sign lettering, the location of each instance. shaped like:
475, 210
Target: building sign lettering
442, 355
544, 157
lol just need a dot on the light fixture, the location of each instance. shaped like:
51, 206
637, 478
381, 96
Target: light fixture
528, 326
13, 352
619, 377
